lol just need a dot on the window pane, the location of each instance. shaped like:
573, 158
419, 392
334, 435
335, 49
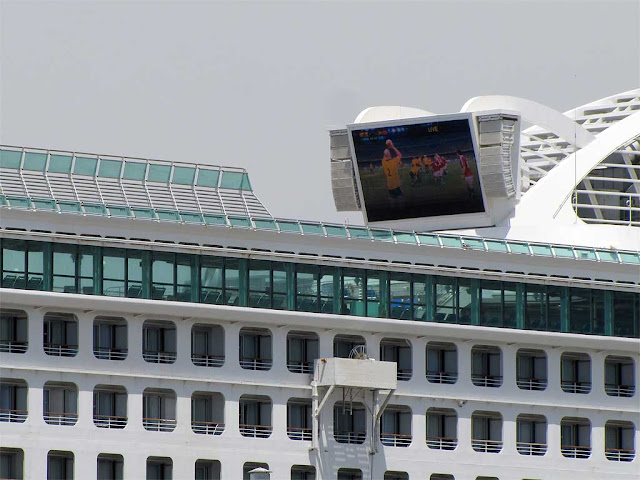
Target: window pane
113, 263
491, 304
399, 296
163, 276
353, 292
373, 294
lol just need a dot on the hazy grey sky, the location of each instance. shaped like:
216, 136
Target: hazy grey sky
258, 84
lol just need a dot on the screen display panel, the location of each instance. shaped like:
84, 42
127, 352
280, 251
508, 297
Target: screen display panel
417, 168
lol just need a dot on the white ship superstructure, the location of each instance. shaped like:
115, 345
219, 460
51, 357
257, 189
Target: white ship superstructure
158, 322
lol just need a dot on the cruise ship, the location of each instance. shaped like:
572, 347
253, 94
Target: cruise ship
158, 322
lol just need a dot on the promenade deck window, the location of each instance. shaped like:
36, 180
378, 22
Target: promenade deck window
13, 400
255, 348
208, 470
346, 345
60, 403
159, 410
60, 465
354, 292
453, 299
110, 338
303, 472
442, 362
159, 341
626, 314
498, 304
575, 375
314, 288
207, 345
349, 474
110, 466
399, 351
575, 437
11, 463
390, 475
122, 273
619, 375
171, 276
267, 285
401, 297
531, 366
531, 432
586, 311
219, 280
22, 264
302, 351
619, 441
159, 468
248, 467
349, 422
486, 432
442, 428
255, 416
395, 426
299, 422
110, 406
14, 327
486, 366
207, 413
73, 269
60, 335
543, 307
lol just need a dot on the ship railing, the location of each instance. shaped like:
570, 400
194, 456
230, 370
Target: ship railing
486, 380
576, 387
349, 437
60, 418
60, 349
435, 376
159, 424
395, 439
109, 421
11, 346
617, 390
619, 454
207, 428
575, 451
159, 356
486, 446
251, 363
12, 415
299, 433
296, 366
442, 443
404, 374
110, 353
255, 431
525, 448
531, 383
202, 360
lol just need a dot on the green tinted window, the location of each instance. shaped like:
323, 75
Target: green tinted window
110, 168
215, 219
542, 250
94, 209
44, 204
312, 229
71, 207
19, 202
289, 226
403, 237
265, 224
428, 239
143, 213
34, 161
519, 248
359, 233
10, 158
242, 222
451, 241
118, 211
85, 166
382, 235
190, 217
60, 164
232, 180
208, 178
475, 243
184, 175
159, 173
168, 215
134, 170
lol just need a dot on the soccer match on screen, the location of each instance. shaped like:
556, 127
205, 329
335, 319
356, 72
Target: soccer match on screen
418, 170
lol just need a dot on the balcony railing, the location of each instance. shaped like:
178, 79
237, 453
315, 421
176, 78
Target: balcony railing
442, 443
481, 380
12, 346
619, 454
531, 448
300, 366
616, 390
60, 350
204, 360
255, 431
486, 446
14, 416
159, 424
575, 451
249, 363
395, 439
404, 374
299, 433
109, 421
442, 377
349, 437
207, 428
576, 387
60, 418
110, 353
532, 383
159, 356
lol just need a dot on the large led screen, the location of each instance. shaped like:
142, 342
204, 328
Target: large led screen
415, 170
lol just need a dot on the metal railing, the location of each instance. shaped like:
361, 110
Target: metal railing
60, 418
11, 346
481, 380
13, 416
531, 448
109, 421
255, 431
110, 353
159, 424
619, 454
404, 374
60, 349
575, 451
349, 437
442, 443
207, 428
249, 363
395, 439
435, 376
486, 446
159, 356
202, 360
575, 387
616, 390
532, 383
299, 433
300, 366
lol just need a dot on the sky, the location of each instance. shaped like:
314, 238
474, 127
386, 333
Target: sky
259, 84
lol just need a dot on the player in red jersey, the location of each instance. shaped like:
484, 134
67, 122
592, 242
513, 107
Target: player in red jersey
439, 168
467, 174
